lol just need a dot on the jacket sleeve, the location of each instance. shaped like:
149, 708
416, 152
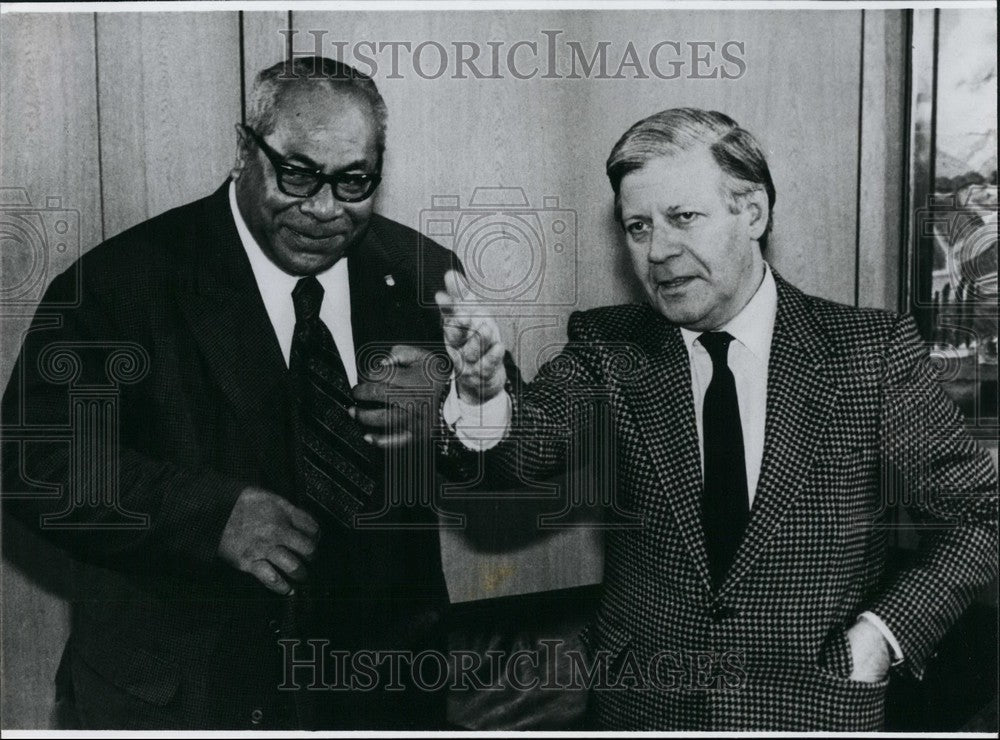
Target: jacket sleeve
181, 512
952, 486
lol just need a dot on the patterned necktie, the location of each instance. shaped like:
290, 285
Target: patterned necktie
335, 464
726, 504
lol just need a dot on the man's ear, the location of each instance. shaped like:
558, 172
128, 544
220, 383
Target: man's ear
242, 152
756, 208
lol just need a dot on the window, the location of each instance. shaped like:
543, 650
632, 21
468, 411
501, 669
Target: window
950, 279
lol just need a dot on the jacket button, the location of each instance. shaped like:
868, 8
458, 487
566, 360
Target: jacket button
275, 626
256, 716
720, 612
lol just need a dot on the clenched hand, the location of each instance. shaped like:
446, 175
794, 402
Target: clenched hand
399, 409
269, 538
473, 341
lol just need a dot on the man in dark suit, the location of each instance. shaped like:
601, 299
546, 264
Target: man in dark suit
236, 526
761, 437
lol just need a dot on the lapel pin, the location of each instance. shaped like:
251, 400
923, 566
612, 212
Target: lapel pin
390, 280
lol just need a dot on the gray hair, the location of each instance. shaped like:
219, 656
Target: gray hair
273, 82
676, 130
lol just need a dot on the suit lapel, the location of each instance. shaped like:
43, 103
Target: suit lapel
369, 277
665, 413
384, 299
219, 299
800, 399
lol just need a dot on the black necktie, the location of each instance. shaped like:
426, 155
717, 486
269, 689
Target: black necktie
726, 505
335, 464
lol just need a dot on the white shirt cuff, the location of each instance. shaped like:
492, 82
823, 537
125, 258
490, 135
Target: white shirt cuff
478, 427
877, 623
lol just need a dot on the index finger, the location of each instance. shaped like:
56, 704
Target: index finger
369, 393
447, 305
303, 521
457, 286
298, 544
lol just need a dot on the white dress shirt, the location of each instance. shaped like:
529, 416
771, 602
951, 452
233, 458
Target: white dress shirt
276, 286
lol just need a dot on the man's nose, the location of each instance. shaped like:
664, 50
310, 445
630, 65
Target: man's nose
323, 206
664, 244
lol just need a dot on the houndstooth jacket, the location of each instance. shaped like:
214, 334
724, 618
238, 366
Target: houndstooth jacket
855, 422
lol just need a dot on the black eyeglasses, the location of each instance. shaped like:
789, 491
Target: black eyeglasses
305, 182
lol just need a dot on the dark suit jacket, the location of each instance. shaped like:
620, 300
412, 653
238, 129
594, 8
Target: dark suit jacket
164, 635
854, 419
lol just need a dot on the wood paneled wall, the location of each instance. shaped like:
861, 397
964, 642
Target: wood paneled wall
121, 116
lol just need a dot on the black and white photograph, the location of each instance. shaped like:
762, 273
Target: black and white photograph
479, 367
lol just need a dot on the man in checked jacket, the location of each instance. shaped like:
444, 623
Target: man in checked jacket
760, 436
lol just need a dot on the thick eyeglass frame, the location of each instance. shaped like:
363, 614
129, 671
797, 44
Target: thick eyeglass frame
282, 167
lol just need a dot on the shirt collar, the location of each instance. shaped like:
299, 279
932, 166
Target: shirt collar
753, 326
